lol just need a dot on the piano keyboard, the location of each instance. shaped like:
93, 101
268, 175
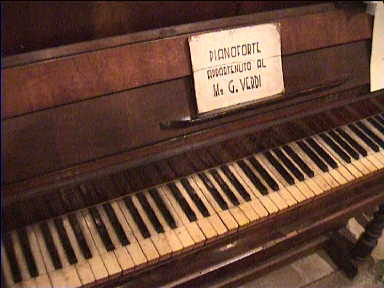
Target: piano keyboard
131, 232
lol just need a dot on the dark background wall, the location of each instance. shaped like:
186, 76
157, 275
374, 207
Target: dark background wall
34, 25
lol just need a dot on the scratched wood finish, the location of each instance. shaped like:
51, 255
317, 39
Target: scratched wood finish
58, 138
50, 83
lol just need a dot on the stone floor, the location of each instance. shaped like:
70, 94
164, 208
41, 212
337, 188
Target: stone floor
318, 271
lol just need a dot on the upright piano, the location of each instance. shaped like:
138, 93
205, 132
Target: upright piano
112, 178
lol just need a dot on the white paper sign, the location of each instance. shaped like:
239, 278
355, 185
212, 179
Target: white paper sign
236, 66
377, 56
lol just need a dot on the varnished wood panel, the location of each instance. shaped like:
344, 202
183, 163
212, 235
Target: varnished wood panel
58, 138
50, 83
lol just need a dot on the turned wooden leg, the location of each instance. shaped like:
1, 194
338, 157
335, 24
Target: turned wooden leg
368, 239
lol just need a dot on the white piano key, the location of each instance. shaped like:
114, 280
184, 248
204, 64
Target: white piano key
237, 213
122, 255
372, 156
57, 277
97, 262
42, 280
340, 174
205, 225
133, 248
69, 271
268, 204
275, 197
224, 215
376, 131
323, 179
315, 187
28, 281
84, 270
357, 167
246, 206
158, 239
214, 217
109, 258
290, 196
347, 171
193, 229
146, 244
254, 202
173, 240
302, 186
7, 271
181, 231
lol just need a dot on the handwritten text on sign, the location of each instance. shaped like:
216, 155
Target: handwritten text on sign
236, 66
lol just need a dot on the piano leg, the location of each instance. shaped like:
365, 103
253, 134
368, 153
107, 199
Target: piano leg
343, 252
368, 239
338, 248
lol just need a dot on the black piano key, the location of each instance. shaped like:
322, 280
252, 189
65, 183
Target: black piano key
344, 144
287, 162
364, 138
216, 195
263, 173
195, 198
101, 229
150, 213
116, 224
69, 252
326, 157
262, 189
10, 252
182, 202
224, 187
352, 142
79, 236
379, 119
335, 148
376, 124
235, 183
136, 217
26, 247
316, 159
52, 250
308, 171
162, 207
371, 134
283, 172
